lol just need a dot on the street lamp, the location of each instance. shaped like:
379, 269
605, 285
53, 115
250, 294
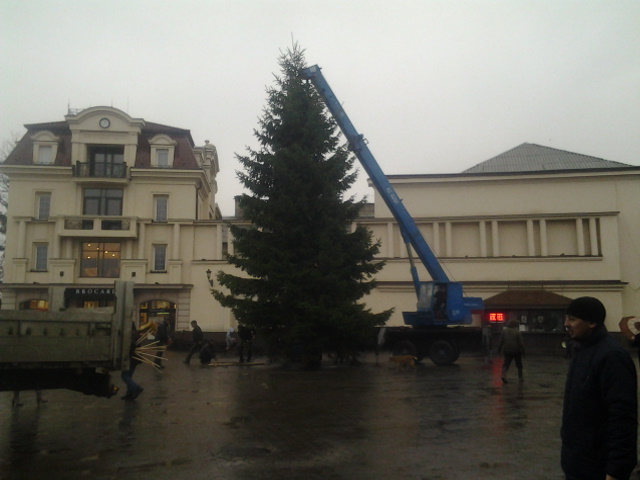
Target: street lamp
209, 277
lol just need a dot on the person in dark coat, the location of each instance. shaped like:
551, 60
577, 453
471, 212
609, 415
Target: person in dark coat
133, 389
511, 346
198, 340
600, 411
162, 336
247, 335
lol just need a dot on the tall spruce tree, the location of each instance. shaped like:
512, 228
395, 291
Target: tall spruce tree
305, 267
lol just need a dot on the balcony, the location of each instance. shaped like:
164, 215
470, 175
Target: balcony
89, 170
97, 227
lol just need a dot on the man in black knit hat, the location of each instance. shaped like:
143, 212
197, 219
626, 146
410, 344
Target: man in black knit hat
600, 413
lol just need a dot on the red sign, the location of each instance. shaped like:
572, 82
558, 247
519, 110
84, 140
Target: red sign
496, 317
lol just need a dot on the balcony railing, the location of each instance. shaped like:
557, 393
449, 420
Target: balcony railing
100, 170
114, 227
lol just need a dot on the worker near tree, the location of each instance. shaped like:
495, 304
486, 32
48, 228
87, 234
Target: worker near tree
198, 340
600, 412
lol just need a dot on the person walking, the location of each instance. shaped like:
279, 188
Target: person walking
512, 347
133, 389
198, 340
162, 336
246, 335
600, 411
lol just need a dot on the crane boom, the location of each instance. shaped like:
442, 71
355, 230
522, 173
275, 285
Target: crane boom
441, 301
410, 232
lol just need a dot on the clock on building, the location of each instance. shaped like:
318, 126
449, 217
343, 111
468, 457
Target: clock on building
104, 122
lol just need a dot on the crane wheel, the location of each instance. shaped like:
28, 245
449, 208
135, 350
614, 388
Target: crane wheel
443, 352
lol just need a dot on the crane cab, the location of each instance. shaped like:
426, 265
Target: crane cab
442, 303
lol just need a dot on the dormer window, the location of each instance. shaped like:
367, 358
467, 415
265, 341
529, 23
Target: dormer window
45, 148
162, 157
162, 151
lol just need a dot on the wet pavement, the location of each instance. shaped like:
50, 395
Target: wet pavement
265, 422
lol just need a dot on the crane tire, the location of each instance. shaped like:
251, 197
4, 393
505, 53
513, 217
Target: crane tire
443, 352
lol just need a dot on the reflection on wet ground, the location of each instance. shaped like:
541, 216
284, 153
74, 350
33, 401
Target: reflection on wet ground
265, 422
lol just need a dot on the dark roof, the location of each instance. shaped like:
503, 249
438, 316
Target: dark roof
527, 299
184, 158
530, 157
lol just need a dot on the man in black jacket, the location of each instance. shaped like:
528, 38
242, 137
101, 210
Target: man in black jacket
600, 413
198, 340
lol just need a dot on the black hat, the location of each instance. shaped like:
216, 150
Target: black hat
588, 309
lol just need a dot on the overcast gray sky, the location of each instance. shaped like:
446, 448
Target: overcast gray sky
435, 86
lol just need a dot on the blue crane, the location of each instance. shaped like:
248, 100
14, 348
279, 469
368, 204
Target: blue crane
441, 301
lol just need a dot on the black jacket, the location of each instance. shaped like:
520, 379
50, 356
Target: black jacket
600, 413
197, 335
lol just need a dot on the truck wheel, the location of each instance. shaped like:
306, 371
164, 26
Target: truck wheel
442, 352
404, 347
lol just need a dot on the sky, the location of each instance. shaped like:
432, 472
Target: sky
435, 86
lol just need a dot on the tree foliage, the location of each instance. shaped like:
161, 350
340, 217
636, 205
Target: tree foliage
304, 267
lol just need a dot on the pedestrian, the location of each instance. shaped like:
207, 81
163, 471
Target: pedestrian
246, 335
230, 339
600, 411
207, 353
629, 333
198, 340
487, 343
162, 337
15, 401
133, 389
512, 347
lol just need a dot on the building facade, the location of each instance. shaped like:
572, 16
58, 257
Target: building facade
102, 196
527, 231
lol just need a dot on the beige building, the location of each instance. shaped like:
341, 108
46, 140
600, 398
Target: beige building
527, 231
102, 196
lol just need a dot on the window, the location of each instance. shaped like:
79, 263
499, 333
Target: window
41, 257
163, 149
161, 206
102, 201
106, 162
45, 147
100, 260
45, 155
43, 201
34, 305
159, 258
162, 157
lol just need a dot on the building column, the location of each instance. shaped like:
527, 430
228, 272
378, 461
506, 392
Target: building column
483, 238
390, 243
141, 240
580, 235
531, 246
436, 239
544, 251
593, 236
448, 236
22, 236
494, 238
175, 250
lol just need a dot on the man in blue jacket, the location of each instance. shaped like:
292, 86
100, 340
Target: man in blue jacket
600, 413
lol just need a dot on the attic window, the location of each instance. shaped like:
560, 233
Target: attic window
45, 148
162, 151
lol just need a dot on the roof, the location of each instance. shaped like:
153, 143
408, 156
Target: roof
530, 157
183, 157
527, 299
